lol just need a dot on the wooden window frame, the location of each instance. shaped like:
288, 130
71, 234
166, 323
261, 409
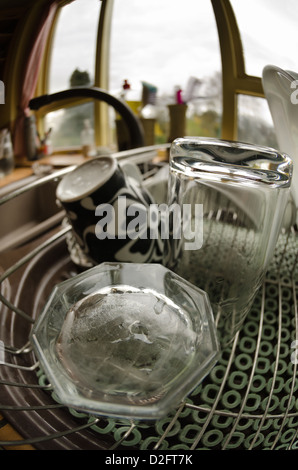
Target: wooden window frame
101, 74
235, 80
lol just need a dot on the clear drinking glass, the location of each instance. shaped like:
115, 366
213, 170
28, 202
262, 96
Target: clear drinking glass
226, 201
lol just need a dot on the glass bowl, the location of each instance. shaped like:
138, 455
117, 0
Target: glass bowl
125, 340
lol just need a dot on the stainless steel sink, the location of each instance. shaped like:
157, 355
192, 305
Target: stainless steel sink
27, 209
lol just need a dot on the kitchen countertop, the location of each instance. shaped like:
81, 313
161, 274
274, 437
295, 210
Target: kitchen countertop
16, 175
25, 167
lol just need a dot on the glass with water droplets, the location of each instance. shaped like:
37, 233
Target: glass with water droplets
237, 194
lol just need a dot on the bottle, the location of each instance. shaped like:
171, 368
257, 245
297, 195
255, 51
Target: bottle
148, 113
131, 97
6, 153
31, 138
88, 140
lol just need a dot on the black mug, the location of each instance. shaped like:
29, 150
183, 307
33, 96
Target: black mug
109, 213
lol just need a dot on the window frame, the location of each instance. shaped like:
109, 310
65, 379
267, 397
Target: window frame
101, 75
235, 81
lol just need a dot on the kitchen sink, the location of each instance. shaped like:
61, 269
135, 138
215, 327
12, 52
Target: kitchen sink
28, 208
242, 385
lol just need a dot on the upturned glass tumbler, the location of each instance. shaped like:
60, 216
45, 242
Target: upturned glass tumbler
226, 201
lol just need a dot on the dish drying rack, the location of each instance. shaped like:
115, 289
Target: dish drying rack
249, 401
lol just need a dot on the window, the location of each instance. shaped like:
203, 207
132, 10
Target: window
255, 123
73, 59
269, 33
174, 48
169, 45
74, 44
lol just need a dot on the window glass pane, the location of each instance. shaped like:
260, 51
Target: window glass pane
255, 124
74, 45
67, 124
268, 31
73, 64
169, 45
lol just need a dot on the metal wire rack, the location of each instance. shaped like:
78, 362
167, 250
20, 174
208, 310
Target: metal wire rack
248, 401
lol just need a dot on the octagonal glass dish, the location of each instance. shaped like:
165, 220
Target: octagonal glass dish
125, 340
